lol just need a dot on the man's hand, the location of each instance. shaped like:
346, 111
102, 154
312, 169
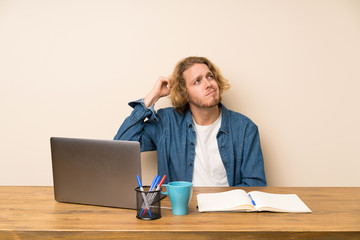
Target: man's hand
161, 89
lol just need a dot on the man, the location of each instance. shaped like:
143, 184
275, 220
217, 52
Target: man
198, 139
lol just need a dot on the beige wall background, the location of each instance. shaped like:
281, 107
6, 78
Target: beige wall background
69, 68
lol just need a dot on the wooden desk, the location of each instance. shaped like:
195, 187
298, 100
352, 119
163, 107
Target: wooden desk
32, 213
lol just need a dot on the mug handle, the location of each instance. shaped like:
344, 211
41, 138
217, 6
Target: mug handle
166, 193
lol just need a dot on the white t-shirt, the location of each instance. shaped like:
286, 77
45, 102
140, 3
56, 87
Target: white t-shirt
209, 170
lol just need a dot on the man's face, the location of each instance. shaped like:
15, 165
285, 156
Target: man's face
201, 86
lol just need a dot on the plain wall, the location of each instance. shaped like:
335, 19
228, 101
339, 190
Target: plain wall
69, 68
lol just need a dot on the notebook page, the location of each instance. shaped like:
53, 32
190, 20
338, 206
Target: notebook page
223, 201
279, 202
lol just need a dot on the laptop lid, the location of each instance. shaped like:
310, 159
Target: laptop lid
95, 172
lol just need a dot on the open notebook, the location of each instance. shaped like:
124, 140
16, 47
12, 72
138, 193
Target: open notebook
239, 201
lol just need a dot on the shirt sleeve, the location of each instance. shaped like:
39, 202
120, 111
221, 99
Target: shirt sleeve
136, 128
252, 169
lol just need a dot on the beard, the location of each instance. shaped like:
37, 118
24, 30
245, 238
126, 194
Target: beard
206, 102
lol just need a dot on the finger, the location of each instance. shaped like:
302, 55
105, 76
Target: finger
162, 78
170, 79
165, 81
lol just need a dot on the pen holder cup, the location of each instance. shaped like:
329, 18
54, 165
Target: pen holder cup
148, 203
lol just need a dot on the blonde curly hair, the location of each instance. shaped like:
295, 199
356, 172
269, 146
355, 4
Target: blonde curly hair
178, 93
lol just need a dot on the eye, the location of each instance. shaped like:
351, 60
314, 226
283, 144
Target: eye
197, 82
210, 76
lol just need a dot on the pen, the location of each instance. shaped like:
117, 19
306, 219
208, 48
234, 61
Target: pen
158, 188
143, 195
155, 182
151, 199
252, 200
144, 210
160, 183
151, 196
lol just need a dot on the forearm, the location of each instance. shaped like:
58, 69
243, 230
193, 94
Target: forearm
150, 99
160, 89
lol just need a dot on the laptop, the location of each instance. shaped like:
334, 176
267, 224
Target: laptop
95, 172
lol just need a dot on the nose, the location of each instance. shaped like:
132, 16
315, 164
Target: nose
207, 82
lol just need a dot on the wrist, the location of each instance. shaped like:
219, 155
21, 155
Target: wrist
150, 99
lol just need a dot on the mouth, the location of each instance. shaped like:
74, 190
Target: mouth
211, 92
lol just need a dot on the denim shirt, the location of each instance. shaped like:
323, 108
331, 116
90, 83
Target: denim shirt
172, 134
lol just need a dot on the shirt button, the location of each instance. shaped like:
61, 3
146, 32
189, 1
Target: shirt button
192, 143
190, 164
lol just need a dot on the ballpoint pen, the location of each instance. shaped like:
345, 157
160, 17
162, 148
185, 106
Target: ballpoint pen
160, 183
252, 200
143, 195
153, 185
157, 189
155, 182
151, 196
